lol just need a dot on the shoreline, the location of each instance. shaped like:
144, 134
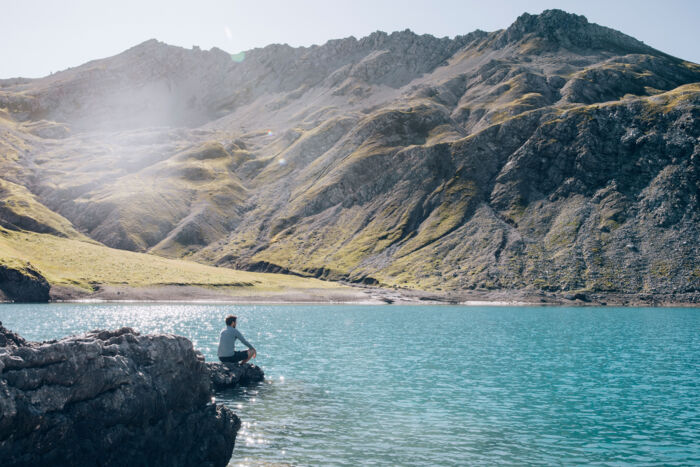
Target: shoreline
354, 294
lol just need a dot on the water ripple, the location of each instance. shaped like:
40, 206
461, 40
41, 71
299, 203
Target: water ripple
351, 385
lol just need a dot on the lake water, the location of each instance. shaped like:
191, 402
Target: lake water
439, 385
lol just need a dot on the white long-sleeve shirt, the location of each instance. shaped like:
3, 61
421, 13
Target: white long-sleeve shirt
227, 341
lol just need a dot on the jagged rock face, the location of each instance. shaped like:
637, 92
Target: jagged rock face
23, 283
555, 154
10, 340
571, 31
109, 398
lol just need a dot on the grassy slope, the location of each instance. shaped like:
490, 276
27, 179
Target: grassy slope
76, 263
19, 204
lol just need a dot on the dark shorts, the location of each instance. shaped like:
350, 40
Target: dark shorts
236, 357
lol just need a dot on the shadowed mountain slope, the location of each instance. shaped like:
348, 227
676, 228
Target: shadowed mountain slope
556, 154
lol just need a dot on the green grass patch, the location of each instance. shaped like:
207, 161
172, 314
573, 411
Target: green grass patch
76, 263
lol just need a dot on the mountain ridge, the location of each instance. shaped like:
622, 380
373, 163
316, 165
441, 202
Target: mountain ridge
555, 154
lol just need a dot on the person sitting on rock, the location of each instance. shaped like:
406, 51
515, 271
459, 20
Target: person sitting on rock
227, 341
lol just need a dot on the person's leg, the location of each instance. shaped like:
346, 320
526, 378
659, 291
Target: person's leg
250, 355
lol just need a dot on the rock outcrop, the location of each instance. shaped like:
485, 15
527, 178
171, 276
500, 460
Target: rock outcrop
23, 283
109, 398
10, 340
230, 375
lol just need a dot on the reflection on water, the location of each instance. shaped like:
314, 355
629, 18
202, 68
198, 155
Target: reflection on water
425, 385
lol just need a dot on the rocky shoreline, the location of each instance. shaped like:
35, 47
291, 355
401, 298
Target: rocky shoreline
376, 295
114, 398
25, 284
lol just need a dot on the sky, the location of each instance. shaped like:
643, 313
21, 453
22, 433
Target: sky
39, 37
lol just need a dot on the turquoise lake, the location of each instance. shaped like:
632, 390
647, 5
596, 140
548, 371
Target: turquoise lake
439, 385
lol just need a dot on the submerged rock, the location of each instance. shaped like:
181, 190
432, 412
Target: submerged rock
229, 375
110, 398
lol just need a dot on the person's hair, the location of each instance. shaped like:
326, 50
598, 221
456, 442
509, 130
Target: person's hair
230, 319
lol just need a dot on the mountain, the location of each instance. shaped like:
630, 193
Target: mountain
554, 155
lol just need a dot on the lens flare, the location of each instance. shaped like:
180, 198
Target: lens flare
239, 57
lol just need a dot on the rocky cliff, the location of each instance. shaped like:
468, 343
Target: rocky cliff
556, 154
109, 398
21, 282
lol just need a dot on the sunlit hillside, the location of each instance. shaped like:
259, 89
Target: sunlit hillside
84, 265
555, 155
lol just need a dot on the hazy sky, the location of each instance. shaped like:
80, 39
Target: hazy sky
39, 37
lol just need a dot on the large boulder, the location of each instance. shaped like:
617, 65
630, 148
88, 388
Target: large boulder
110, 398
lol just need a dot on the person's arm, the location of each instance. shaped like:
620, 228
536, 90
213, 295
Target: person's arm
242, 339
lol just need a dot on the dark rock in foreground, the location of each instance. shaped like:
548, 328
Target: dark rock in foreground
229, 375
10, 340
109, 398
23, 284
